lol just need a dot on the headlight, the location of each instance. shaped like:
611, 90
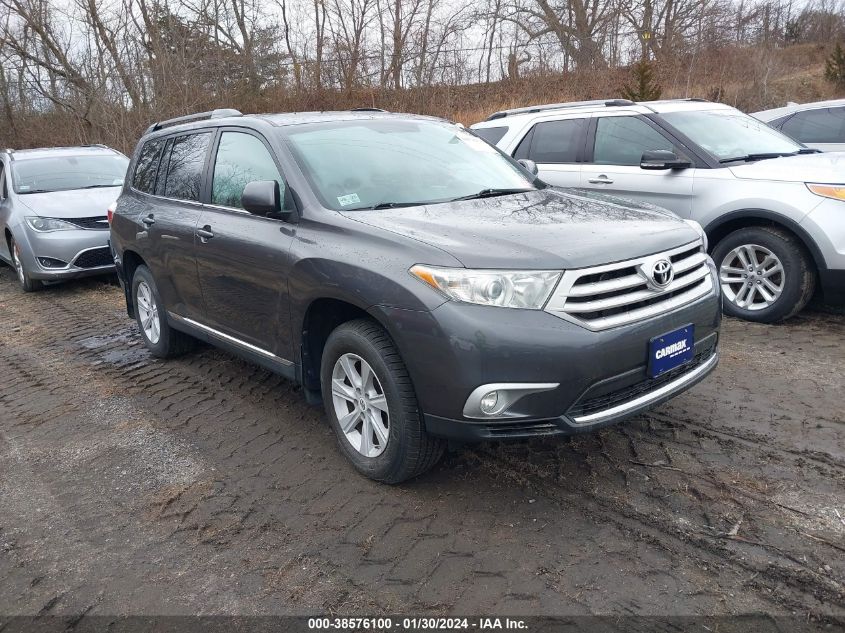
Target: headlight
837, 192
700, 231
504, 288
44, 225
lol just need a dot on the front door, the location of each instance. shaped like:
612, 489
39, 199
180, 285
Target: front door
613, 164
243, 259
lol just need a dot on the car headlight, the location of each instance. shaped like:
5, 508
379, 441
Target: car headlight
837, 192
44, 225
700, 230
505, 288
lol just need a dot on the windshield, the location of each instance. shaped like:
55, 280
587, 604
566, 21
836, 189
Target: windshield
61, 173
392, 162
730, 134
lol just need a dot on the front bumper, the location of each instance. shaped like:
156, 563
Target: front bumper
601, 376
59, 255
826, 226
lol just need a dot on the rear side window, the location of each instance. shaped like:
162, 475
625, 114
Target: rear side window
241, 159
621, 140
2, 181
826, 125
144, 178
185, 166
557, 141
491, 134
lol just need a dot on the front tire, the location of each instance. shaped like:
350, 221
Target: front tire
372, 407
766, 274
27, 283
161, 339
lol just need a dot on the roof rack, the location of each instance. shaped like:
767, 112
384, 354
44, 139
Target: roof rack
200, 116
367, 110
561, 106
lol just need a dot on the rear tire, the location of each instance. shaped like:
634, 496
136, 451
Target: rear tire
161, 339
363, 375
765, 272
27, 283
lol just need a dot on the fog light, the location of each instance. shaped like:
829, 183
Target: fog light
489, 402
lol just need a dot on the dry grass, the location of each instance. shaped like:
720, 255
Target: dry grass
750, 78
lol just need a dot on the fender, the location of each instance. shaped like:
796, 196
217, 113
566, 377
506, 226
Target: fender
775, 218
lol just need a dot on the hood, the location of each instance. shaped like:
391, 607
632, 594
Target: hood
548, 229
75, 203
828, 167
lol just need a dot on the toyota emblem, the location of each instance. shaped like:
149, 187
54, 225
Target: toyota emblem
662, 273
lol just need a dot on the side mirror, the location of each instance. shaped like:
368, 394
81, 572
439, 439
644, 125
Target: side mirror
263, 197
663, 159
530, 165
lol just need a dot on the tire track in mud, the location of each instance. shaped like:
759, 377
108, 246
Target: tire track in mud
625, 476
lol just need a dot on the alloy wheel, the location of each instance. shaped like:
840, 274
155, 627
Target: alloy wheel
752, 277
360, 405
148, 312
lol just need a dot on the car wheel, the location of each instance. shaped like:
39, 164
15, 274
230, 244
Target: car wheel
372, 406
765, 273
27, 284
161, 339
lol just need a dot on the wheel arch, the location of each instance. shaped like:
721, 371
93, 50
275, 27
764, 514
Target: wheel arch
322, 315
130, 261
722, 226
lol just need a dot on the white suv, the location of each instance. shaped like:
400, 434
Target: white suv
774, 210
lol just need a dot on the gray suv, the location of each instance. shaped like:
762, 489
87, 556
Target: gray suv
53, 211
418, 282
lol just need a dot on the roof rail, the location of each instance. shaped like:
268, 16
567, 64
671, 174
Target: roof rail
367, 110
200, 116
609, 103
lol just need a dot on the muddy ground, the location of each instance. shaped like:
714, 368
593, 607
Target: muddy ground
205, 485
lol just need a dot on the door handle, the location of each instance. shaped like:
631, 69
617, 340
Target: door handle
205, 234
601, 180
149, 220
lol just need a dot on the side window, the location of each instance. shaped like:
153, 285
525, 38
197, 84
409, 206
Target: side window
241, 159
144, 178
2, 181
491, 134
557, 141
621, 140
826, 125
184, 169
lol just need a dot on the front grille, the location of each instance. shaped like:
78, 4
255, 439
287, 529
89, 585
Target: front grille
608, 296
99, 222
94, 258
587, 405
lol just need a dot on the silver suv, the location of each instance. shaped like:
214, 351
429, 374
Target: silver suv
773, 209
53, 211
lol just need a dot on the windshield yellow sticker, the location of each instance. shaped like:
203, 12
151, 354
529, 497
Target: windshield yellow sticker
348, 199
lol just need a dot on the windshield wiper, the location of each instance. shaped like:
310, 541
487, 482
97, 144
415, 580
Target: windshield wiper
761, 156
490, 193
388, 205
28, 191
809, 150
97, 186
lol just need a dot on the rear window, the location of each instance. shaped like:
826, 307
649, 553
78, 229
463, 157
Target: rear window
491, 134
144, 178
825, 125
185, 165
557, 141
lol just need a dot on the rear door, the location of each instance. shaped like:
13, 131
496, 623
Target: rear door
557, 146
616, 143
170, 217
243, 259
